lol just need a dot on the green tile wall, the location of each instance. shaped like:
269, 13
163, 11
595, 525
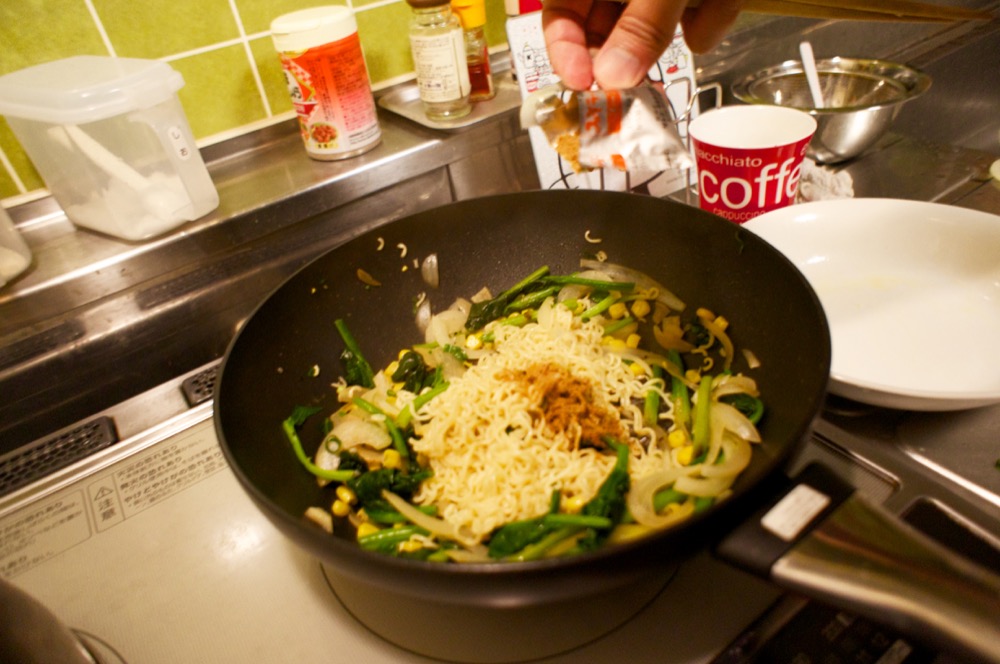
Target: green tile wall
233, 81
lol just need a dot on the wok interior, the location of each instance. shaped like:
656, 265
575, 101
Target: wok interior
287, 353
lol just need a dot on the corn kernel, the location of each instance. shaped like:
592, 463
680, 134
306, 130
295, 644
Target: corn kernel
617, 310
625, 532
340, 508
410, 546
677, 438
392, 459
632, 341
685, 455
640, 308
573, 504
615, 344
473, 342
345, 494
692, 375
366, 529
637, 369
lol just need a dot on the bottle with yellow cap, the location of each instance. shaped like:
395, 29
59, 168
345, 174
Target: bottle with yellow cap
472, 14
437, 44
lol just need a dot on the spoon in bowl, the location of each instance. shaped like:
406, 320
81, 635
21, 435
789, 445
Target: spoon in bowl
812, 78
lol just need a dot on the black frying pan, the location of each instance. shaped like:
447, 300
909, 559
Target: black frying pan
272, 366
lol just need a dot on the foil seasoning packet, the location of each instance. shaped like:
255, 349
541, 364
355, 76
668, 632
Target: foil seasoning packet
628, 129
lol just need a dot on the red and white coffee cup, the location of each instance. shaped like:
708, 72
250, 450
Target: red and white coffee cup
749, 158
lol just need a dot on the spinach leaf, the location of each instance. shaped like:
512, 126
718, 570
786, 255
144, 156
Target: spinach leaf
357, 371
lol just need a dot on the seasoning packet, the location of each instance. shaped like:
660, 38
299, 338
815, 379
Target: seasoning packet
628, 129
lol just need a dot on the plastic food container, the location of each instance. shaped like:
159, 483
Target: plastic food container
14, 253
110, 139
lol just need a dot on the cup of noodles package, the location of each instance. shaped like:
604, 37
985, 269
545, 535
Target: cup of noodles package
749, 158
625, 129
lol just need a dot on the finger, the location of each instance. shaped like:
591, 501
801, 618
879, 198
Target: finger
706, 26
643, 32
564, 27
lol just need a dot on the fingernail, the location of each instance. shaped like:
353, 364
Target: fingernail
618, 68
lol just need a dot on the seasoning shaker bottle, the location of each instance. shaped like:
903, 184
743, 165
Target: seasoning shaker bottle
327, 78
472, 14
437, 43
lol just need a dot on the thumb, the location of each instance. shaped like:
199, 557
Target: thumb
639, 38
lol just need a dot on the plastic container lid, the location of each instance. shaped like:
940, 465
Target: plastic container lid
86, 88
304, 29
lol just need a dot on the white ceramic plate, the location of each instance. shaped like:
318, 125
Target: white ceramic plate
912, 294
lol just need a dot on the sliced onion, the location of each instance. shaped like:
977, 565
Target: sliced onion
431, 524
738, 384
367, 278
670, 336
703, 486
445, 326
429, 270
483, 295
729, 418
473, 554
644, 281
727, 343
462, 305
736, 457
640, 496
320, 517
352, 430
451, 366
572, 292
423, 315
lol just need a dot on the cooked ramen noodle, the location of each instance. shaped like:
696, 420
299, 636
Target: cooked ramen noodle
564, 413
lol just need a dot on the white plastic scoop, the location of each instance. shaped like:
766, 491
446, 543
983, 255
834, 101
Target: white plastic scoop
156, 197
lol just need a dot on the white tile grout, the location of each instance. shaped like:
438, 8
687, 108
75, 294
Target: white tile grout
250, 59
201, 50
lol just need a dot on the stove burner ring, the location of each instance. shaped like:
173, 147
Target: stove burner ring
486, 635
99, 650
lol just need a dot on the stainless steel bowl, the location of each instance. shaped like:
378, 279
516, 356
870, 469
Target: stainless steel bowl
861, 99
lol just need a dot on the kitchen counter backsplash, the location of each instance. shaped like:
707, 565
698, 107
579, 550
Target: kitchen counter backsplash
222, 48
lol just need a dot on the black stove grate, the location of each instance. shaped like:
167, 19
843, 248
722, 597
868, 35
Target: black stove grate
29, 464
200, 387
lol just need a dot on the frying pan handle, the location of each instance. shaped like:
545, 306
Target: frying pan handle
822, 540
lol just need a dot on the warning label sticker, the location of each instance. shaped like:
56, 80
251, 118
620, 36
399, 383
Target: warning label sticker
46, 528
35, 534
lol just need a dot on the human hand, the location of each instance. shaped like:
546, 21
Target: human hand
628, 38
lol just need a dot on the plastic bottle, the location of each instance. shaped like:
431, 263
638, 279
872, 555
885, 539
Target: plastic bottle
472, 14
328, 81
437, 42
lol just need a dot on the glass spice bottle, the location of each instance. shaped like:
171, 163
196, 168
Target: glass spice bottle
437, 42
472, 14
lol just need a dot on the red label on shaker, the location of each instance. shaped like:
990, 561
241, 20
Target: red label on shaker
332, 96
